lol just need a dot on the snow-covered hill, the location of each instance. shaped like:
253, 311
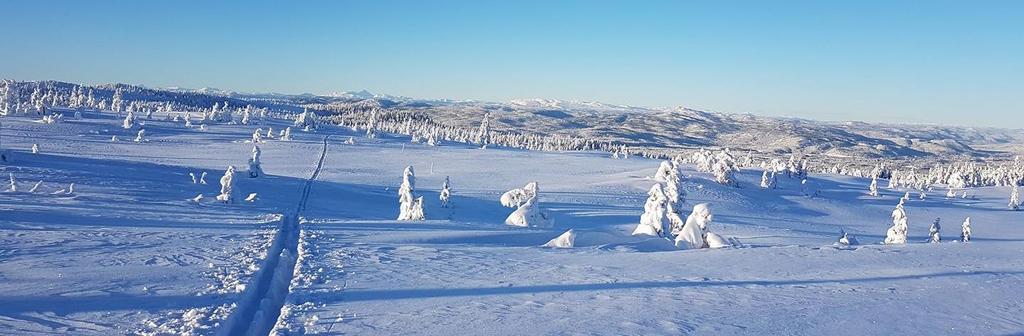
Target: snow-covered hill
133, 250
660, 128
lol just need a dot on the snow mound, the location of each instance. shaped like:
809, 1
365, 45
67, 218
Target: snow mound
566, 240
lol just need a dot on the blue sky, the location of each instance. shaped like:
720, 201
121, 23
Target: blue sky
943, 62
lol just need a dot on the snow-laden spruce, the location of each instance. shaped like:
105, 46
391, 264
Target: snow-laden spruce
529, 214
516, 197
307, 121
141, 136
696, 233
965, 230
227, 185
1015, 199
565, 240
897, 233
483, 135
255, 170
654, 220
873, 188
14, 183
409, 206
933, 232
129, 120
674, 191
446, 193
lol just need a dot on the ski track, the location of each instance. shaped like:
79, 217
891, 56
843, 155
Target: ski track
259, 308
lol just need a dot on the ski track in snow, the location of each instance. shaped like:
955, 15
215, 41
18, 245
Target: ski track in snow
259, 309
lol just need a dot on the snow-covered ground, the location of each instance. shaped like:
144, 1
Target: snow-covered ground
129, 253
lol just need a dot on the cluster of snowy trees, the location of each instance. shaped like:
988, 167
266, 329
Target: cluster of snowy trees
722, 165
897, 233
420, 127
663, 210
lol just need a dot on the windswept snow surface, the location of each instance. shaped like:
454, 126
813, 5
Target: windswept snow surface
129, 253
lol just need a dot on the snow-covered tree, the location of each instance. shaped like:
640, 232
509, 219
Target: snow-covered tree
516, 197
116, 103
286, 134
529, 215
933, 231
245, 115
873, 188
483, 135
965, 230
654, 220
307, 121
897, 233
724, 174
257, 136
1015, 199
663, 170
696, 234
129, 120
674, 191
254, 162
446, 193
766, 183
410, 208
35, 148
14, 183
227, 185
141, 136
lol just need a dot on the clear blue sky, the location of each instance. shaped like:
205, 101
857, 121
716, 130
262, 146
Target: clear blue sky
946, 62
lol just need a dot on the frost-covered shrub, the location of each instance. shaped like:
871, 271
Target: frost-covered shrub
695, 231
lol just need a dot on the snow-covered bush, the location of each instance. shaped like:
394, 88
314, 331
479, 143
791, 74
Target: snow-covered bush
933, 231
965, 230
695, 232
516, 197
255, 170
141, 136
410, 207
286, 134
897, 233
846, 239
446, 193
529, 215
873, 188
257, 136
654, 220
565, 240
227, 184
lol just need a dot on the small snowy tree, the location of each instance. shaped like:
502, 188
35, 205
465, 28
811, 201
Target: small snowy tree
141, 136
674, 191
257, 136
846, 239
694, 234
129, 120
286, 134
766, 183
516, 197
933, 232
965, 230
529, 215
409, 207
654, 220
724, 174
446, 193
663, 170
227, 184
897, 233
254, 162
873, 188
14, 183
483, 135
1015, 199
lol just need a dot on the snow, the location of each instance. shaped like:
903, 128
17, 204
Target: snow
320, 251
